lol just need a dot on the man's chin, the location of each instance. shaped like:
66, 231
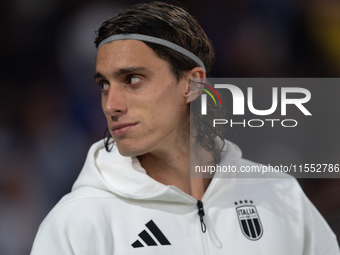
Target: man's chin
127, 151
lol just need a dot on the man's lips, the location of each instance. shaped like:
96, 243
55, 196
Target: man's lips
121, 129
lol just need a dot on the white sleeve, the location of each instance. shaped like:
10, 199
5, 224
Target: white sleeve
73, 229
333, 249
319, 239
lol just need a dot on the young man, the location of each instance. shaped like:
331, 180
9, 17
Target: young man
135, 196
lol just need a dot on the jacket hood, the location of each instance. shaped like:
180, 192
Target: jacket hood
125, 177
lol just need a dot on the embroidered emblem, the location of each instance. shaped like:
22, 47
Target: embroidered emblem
249, 220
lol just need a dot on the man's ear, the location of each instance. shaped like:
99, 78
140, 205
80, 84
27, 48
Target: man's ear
194, 78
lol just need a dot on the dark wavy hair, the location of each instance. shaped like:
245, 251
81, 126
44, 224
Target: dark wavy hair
174, 24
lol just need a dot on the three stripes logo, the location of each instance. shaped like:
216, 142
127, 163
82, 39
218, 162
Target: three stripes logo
147, 238
249, 220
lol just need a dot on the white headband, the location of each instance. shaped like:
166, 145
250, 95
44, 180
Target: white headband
152, 39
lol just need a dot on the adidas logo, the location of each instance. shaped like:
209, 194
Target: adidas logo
148, 240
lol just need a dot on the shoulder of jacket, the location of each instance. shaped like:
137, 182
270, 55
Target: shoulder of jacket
76, 208
76, 224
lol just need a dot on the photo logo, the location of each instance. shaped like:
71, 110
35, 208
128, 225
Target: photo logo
280, 98
204, 97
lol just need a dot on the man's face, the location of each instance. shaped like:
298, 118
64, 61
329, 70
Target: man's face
144, 105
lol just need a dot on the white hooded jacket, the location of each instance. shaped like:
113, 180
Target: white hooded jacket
116, 208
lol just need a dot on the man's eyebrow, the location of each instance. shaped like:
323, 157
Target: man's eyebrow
122, 71
98, 75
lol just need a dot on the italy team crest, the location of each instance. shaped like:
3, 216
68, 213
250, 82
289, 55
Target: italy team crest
249, 220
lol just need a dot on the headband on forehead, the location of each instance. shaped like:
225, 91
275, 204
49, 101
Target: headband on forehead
152, 39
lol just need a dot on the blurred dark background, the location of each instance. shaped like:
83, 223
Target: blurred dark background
50, 110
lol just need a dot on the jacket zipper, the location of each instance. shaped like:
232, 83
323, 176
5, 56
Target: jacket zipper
201, 214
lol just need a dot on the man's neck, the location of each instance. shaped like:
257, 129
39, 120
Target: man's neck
172, 167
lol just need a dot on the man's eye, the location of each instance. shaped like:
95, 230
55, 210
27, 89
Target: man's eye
104, 87
134, 80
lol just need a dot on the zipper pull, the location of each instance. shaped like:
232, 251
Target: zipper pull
201, 214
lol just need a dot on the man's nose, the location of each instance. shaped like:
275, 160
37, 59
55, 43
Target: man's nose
114, 104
